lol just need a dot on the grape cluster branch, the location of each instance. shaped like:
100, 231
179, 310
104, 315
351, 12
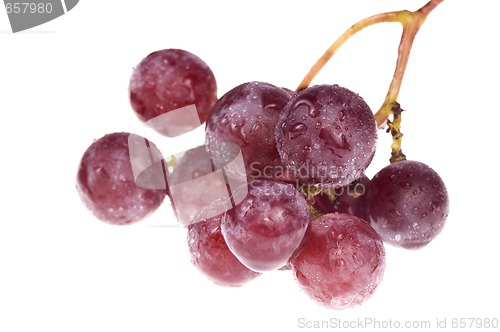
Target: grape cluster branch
411, 22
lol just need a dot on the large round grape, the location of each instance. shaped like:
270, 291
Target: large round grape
106, 183
246, 116
170, 79
266, 228
342, 262
211, 255
408, 204
326, 134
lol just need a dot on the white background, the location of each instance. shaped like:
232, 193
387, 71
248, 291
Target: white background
64, 84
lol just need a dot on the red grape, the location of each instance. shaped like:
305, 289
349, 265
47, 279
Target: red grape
342, 261
326, 134
265, 229
408, 204
197, 189
246, 116
170, 79
211, 255
106, 183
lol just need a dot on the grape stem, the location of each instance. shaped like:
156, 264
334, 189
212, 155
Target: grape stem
411, 22
395, 130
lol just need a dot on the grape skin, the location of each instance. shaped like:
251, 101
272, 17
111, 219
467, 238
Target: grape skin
408, 204
196, 193
342, 262
170, 79
266, 228
211, 255
193, 164
326, 134
246, 116
106, 184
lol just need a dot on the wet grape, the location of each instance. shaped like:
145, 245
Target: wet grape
326, 134
246, 116
187, 203
265, 229
170, 79
342, 261
408, 204
197, 189
211, 255
106, 184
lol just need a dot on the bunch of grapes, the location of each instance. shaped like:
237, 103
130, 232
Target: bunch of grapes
278, 184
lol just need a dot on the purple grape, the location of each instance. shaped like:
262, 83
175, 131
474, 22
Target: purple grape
197, 190
326, 134
194, 164
106, 184
266, 228
211, 255
408, 204
246, 116
342, 262
170, 79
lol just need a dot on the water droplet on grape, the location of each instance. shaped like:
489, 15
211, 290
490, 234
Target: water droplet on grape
297, 130
397, 238
283, 127
355, 257
313, 112
255, 128
342, 115
340, 263
406, 185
